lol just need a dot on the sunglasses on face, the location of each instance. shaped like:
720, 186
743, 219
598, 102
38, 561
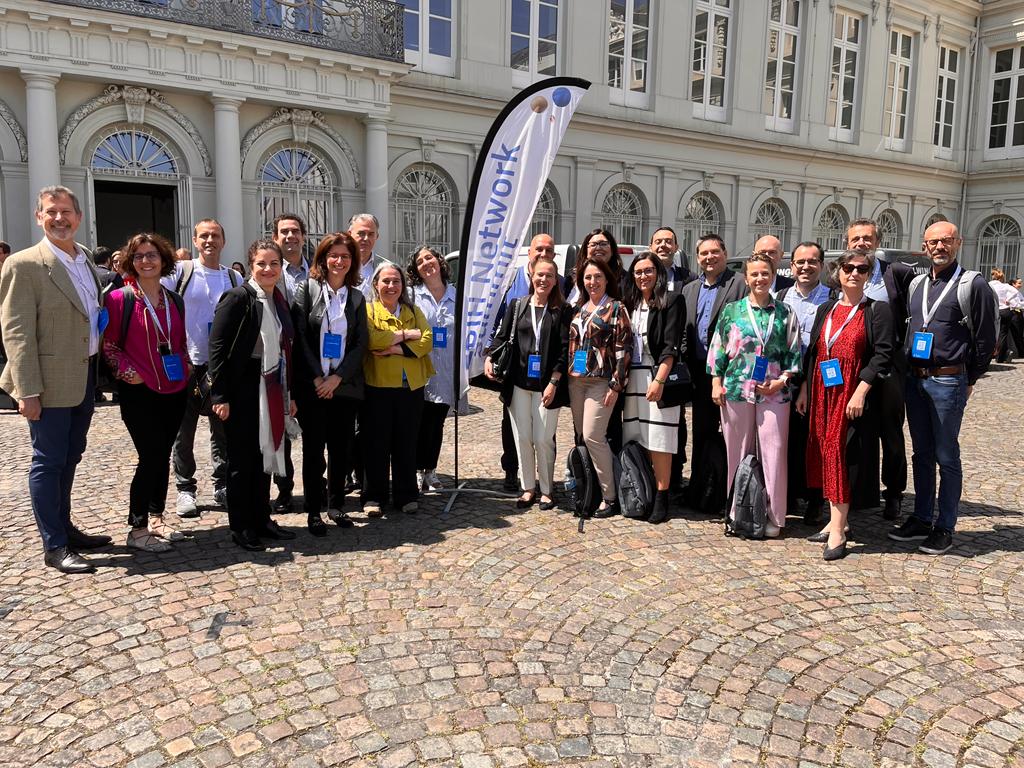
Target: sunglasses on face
860, 269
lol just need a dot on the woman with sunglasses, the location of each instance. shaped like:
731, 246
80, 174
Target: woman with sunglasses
850, 349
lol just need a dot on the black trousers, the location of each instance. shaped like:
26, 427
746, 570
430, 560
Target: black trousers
1017, 332
248, 484
707, 422
152, 420
428, 447
1005, 353
796, 460
286, 483
509, 457
889, 400
390, 419
331, 425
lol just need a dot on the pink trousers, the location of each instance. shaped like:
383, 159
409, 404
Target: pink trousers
769, 423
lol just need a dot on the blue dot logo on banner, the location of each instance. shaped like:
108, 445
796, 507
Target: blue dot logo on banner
561, 97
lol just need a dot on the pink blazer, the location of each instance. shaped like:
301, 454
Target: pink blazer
139, 350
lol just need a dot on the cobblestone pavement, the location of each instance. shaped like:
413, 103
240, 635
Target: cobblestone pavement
489, 636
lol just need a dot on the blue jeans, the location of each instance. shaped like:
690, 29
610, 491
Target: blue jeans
58, 442
935, 410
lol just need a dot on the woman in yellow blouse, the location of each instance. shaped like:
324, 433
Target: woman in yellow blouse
396, 368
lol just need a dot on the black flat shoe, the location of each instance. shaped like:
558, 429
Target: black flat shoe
316, 525
81, 540
248, 540
610, 511
275, 531
836, 553
546, 505
822, 536
283, 503
522, 503
67, 560
339, 518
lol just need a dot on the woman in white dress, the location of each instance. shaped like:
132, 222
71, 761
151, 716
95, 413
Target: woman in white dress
656, 317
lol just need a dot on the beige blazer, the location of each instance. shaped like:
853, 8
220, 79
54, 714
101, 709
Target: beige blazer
45, 329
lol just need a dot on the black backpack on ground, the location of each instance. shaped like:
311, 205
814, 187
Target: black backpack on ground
749, 515
581, 483
636, 484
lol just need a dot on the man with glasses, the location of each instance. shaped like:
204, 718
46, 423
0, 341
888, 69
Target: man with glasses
947, 353
771, 247
803, 298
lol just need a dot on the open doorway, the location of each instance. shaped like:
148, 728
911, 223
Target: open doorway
125, 208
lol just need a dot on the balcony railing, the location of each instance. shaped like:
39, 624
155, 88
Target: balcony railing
370, 28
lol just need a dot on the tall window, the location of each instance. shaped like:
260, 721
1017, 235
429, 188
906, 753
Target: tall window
295, 179
945, 101
1000, 246
703, 214
130, 152
430, 35
842, 86
890, 229
545, 215
534, 39
1006, 120
628, 50
424, 208
779, 100
771, 219
831, 229
710, 70
897, 89
622, 213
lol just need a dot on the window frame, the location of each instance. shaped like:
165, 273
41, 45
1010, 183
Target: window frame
701, 109
617, 221
945, 75
1015, 75
621, 94
897, 63
773, 121
523, 77
835, 131
423, 59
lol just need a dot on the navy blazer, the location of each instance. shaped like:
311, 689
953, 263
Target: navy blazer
733, 288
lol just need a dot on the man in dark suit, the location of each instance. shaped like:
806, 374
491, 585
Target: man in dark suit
771, 247
109, 279
713, 289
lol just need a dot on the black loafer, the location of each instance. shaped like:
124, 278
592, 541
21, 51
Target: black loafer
274, 531
248, 540
526, 503
316, 525
610, 511
81, 540
546, 505
66, 560
283, 503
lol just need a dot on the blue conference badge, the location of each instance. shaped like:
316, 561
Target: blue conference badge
174, 370
831, 374
921, 346
579, 362
533, 366
439, 336
332, 346
102, 320
760, 372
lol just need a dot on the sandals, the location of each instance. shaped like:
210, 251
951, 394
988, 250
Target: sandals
158, 527
148, 542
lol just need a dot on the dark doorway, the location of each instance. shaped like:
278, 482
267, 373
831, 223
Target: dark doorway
125, 208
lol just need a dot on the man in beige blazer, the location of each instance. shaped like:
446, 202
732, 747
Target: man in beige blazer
52, 322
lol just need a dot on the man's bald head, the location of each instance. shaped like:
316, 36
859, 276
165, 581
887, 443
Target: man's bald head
541, 245
770, 246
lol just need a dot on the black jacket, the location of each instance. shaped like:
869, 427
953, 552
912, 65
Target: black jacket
665, 337
733, 288
554, 349
233, 337
308, 318
878, 353
782, 282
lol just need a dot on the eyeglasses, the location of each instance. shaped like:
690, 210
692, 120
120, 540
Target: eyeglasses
598, 244
802, 264
861, 269
147, 256
946, 241
648, 272
769, 254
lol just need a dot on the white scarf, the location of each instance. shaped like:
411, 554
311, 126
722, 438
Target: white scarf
270, 334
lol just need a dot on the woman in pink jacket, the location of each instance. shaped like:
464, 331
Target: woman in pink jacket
144, 345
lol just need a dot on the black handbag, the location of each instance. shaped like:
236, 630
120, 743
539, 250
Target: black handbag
678, 387
503, 355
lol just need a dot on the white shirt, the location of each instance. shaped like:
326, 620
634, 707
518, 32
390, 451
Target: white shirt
1009, 297
366, 272
201, 296
84, 280
875, 288
334, 322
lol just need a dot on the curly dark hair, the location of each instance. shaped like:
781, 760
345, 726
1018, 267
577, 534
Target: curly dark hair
163, 247
412, 272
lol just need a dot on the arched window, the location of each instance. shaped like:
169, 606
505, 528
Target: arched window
545, 215
999, 245
831, 229
771, 218
890, 229
702, 215
295, 179
424, 208
130, 152
622, 213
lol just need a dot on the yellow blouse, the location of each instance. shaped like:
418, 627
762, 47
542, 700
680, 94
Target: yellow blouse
387, 371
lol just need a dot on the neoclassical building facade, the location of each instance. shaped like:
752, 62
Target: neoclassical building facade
748, 117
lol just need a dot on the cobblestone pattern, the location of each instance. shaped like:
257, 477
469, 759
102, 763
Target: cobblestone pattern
492, 637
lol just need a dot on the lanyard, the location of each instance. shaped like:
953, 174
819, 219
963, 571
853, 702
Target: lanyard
929, 312
537, 326
831, 339
585, 324
757, 331
82, 284
342, 295
163, 338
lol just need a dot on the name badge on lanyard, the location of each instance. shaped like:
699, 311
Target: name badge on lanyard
921, 341
102, 320
533, 366
579, 362
332, 346
439, 337
760, 370
831, 373
921, 345
174, 369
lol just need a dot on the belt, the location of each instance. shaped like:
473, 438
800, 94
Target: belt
944, 370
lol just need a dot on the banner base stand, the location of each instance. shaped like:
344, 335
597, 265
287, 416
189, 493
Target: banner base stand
463, 488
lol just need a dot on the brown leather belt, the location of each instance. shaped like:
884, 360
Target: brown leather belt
945, 370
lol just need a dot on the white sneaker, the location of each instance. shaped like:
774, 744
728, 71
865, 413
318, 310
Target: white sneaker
431, 482
421, 479
772, 531
186, 506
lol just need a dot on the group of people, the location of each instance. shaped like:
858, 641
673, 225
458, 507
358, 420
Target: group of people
354, 353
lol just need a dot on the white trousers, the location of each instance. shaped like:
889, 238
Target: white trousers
533, 427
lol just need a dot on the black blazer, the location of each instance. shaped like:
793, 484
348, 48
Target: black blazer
897, 278
665, 336
308, 318
781, 282
236, 328
878, 352
733, 288
554, 349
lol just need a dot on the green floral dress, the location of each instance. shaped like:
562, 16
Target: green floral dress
735, 345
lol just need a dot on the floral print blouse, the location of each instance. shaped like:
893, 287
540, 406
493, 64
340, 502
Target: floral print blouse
735, 345
607, 339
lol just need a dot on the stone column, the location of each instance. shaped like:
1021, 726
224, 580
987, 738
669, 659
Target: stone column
227, 169
377, 179
41, 131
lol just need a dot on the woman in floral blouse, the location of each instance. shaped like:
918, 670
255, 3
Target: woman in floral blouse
600, 345
753, 354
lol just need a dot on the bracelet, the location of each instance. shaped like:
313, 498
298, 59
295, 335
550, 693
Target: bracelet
659, 381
